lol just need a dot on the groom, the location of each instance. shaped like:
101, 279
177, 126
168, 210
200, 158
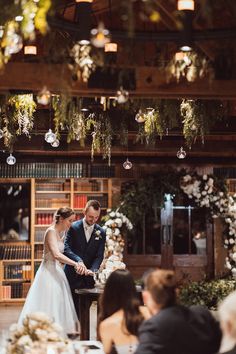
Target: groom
84, 243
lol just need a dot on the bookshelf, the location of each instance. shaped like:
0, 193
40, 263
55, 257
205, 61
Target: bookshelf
19, 261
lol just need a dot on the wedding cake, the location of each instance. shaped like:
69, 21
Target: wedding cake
109, 265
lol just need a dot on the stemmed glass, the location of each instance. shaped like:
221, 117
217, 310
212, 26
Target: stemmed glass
96, 277
74, 335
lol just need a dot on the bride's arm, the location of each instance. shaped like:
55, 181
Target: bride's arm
51, 240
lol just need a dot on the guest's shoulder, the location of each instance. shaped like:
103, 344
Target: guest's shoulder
111, 322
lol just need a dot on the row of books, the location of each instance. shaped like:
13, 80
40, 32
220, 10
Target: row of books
232, 186
44, 218
41, 170
80, 201
225, 172
90, 185
53, 185
51, 203
38, 252
15, 252
55, 170
17, 271
14, 291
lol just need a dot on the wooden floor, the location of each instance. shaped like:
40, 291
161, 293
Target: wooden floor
9, 315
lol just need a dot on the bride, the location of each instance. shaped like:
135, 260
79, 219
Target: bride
50, 291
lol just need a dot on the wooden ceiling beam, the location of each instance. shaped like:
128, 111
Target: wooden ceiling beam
150, 82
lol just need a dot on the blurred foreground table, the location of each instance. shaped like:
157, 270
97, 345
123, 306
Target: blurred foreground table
86, 297
88, 347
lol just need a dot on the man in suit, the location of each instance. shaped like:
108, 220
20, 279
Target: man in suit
174, 329
227, 315
85, 244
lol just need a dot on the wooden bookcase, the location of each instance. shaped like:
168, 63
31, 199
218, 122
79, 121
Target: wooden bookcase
47, 195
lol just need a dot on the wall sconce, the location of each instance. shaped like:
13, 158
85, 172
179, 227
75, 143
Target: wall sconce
30, 50
185, 5
83, 13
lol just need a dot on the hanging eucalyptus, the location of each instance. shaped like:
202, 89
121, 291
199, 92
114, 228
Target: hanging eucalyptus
22, 108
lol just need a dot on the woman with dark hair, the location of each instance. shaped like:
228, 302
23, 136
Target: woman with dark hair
120, 313
50, 292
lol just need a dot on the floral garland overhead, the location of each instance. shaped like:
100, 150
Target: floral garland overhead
207, 192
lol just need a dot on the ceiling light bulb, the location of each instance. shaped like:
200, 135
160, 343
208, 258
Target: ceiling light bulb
186, 48
30, 50
122, 96
127, 164
50, 137
181, 154
44, 96
11, 160
110, 47
185, 5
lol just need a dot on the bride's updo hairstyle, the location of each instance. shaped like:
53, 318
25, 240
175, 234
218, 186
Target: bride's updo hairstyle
162, 284
63, 213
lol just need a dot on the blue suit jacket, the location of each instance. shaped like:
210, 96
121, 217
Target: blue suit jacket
78, 249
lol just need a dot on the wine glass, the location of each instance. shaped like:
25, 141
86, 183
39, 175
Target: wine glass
74, 335
96, 276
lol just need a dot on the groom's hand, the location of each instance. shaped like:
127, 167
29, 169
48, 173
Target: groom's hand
80, 268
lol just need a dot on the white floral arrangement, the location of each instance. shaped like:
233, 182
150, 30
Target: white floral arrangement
35, 335
115, 225
206, 192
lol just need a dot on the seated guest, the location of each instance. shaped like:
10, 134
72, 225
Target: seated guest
174, 329
227, 315
120, 313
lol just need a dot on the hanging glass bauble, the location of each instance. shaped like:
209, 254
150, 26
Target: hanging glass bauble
50, 137
140, 117
181, 154
11, 160
127, 164
122, 96
1, 133
44, 96
55, 143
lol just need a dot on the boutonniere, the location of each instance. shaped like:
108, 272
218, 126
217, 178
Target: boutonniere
98, 235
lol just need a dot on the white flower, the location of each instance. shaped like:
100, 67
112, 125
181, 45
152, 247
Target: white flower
204, 192
24, 340
204, 177
116, 231
231, 241
112, 214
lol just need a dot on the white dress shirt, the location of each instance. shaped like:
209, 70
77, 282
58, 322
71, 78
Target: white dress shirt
88, 230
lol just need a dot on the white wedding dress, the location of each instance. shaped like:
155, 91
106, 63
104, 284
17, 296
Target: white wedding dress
50, 292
